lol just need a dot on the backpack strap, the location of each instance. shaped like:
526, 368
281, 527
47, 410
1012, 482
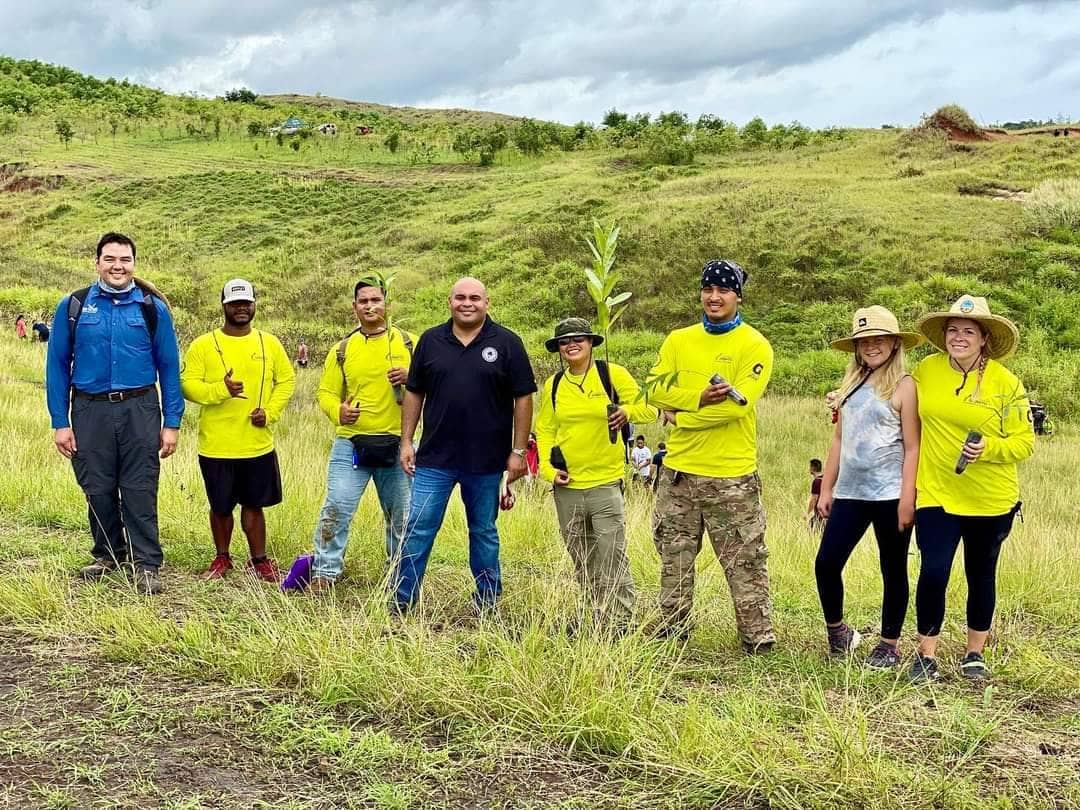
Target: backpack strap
555, 386
605, 380
75, 305
343, 344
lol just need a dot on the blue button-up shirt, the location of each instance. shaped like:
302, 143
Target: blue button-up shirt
112, 352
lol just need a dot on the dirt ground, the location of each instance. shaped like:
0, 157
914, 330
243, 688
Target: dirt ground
79, 731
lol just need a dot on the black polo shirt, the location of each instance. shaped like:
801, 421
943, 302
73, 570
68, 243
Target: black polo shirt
469, 394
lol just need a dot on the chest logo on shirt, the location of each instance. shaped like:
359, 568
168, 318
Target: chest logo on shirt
490, 354
90, 309
722, 358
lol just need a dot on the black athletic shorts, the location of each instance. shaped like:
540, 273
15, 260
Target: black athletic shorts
254, 482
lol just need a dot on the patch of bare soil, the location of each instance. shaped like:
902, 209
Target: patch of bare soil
994, 192
79, 731
30, 182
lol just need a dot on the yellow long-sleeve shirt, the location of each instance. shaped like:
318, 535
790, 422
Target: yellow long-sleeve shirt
578, 425
1002, 414
719, 440
366, 364
259, 361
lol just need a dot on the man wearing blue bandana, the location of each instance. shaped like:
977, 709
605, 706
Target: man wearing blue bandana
112, 345
708, 380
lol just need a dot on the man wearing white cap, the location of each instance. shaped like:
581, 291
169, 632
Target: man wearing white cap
243, 380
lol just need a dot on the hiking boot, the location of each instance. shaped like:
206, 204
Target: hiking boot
973, 667
97, 569
923, 669
883, 656
661, 630
761, 648
148, 582
843, 640
219, 567
320, 586
264, 569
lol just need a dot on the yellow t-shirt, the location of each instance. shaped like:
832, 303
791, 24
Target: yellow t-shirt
990, 485
719, 440
578, 425
259, 361
366, 364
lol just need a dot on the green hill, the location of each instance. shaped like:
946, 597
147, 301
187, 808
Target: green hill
823, 221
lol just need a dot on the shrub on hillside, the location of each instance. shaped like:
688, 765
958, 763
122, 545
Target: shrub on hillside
667, 146
1054, 204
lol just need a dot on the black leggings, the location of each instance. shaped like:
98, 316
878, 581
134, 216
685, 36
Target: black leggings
847, 523
938, 535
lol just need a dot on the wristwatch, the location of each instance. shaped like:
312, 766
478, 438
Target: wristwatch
519, 451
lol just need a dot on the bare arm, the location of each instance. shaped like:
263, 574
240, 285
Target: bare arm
410, 418
911, 429
515, 464
830, 473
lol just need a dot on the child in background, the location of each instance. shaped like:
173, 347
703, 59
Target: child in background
813, 519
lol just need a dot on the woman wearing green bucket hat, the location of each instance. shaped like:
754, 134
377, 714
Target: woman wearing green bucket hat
976, 428
586, 468
869, 477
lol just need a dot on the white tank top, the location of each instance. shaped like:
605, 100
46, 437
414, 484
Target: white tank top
871, 449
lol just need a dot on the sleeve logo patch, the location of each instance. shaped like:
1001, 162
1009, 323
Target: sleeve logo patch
757, 369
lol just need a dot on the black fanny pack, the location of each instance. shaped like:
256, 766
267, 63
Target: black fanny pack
375, 451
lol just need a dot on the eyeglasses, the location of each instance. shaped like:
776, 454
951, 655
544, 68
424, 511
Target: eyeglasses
566, 341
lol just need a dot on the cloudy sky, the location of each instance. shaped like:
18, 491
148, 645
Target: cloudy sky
845, 62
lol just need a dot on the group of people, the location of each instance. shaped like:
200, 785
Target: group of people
39, 328
898, 439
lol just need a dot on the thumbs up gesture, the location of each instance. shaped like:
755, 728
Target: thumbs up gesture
236, 388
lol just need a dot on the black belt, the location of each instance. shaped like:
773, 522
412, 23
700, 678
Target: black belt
114, 396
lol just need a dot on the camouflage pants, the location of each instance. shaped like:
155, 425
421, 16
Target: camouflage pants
592, 524
730, 510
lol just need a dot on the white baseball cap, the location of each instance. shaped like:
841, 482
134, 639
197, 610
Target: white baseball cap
237, 290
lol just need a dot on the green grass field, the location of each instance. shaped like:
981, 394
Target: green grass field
230, 694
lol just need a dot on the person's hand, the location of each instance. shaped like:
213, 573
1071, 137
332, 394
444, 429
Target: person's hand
669, 418
64, 439
824, 503
972, 450
507, 499
397, 376
714, 394
258, 418
832, 400
515, 468
562, 478
167, 441
348, 413
236, 387
408, 457
905, 514
617, 419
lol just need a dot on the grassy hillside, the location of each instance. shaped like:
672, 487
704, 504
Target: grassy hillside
849, 218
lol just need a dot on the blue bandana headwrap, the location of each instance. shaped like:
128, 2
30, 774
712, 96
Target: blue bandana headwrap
724, 273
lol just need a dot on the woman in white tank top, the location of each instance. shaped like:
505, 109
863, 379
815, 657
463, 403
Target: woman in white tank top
869, 478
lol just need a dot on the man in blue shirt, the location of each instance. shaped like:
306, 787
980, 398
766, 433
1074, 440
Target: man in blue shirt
110, 345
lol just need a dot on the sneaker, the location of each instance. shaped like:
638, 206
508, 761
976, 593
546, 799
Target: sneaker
148, 582
923, 669
973, 667
219, 567
265, 569
843, 640
97, 569
320, 586
883, 656
761, 648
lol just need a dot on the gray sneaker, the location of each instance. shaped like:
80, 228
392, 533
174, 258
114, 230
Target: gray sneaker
97, 569
883, 656
923, 669
973, 667
843, 640
148, 582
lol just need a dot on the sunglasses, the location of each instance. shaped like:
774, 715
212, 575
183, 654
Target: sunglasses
566, 341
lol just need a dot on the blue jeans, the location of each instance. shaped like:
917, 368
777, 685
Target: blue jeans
344, 488
431, 493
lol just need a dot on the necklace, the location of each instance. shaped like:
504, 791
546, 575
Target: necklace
580, 386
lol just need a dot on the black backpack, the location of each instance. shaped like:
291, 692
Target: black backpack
605, 380
78, 298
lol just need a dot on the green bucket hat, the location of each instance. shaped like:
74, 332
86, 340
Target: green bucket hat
572, 327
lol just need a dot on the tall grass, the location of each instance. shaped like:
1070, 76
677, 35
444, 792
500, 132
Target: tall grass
1054, 204
707, 723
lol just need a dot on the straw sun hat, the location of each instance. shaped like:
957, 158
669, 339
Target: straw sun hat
1004, 336
872, 322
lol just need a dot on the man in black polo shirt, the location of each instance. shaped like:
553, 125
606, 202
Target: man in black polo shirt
472, 379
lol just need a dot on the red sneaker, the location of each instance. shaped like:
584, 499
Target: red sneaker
219, 567
266, 570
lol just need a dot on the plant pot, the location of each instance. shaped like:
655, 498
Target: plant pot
613, 433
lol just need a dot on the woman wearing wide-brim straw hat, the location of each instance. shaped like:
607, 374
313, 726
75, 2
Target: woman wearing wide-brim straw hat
976, 428
869, 477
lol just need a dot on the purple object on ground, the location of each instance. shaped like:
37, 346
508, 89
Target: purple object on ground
299, 574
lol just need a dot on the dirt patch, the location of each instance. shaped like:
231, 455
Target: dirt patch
80, 731
27, 182
994, 192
